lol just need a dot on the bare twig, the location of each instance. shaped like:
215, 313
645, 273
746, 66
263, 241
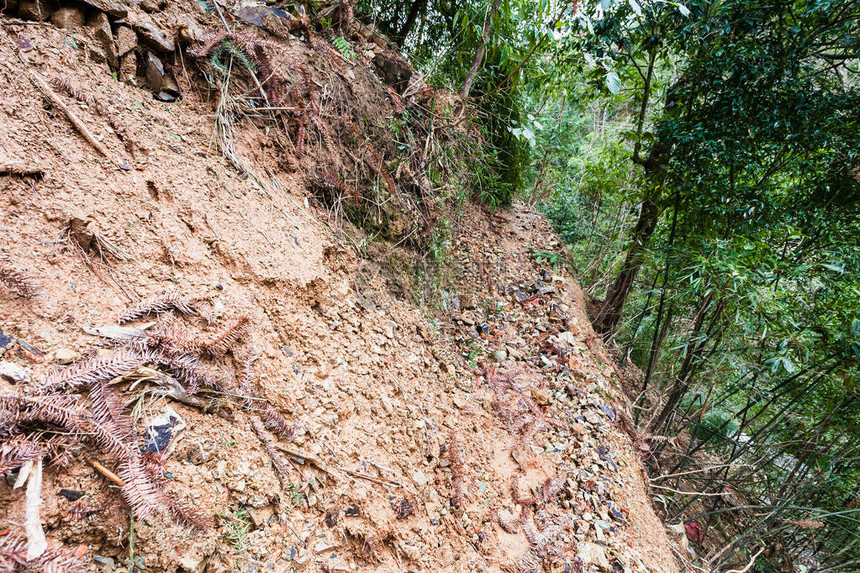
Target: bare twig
46, 89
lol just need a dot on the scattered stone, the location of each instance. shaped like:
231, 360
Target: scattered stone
13, 373
71, 494
419, 478
189, 32
128, 68
542, 397
151, 36
100, 27
393, 70
111, 8
593, 554
126, 40
153, 5
261, 15
154, 72
65, 356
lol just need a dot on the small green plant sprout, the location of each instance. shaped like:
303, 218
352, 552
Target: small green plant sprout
237, 527
549, 257
343, 46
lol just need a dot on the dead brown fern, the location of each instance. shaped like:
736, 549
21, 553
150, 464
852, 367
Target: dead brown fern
13, 557
254, 401
98, 368
119, 129
371, 157
16, 281
65, 85
345, 16
222, 342
157, 304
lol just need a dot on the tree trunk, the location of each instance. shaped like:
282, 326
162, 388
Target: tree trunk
610, 311
417, 7
479, 56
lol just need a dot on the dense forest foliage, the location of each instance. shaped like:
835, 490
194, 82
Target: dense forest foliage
702, 162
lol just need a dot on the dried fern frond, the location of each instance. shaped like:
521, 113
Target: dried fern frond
517, 496
169, 335
551, 488
254, 401
65, 85
112, 439
90, 371
16, 281
508, 525
108, 408
224, 340
158, 303
13, 557
17, 451
193, 373
139, 491
187, 515
55, 409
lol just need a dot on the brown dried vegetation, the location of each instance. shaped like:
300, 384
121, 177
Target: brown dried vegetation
102, 421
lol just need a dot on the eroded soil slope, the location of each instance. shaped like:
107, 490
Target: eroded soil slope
484, 436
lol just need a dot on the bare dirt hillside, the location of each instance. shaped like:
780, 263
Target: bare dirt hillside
274, 399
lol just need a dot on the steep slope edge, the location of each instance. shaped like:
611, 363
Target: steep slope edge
486, 437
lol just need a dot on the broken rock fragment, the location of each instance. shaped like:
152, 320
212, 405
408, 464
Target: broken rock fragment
152, 37
154, 72
126, 40
99, 25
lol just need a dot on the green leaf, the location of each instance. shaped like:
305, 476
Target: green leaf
613, 82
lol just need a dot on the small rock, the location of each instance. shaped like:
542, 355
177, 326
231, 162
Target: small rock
192, 563
68, 17
100, 27
110, 8
13, 373
419, 478
542, 397
65, 356
393, 70
593, 554
150, 35
154, 72
189, 32
128, 68
126, 40
153, 5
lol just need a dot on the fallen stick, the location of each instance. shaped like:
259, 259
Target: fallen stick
46, 89
107, 473
293, 451
360, 475
17, 168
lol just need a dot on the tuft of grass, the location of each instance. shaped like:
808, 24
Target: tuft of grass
237, 527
